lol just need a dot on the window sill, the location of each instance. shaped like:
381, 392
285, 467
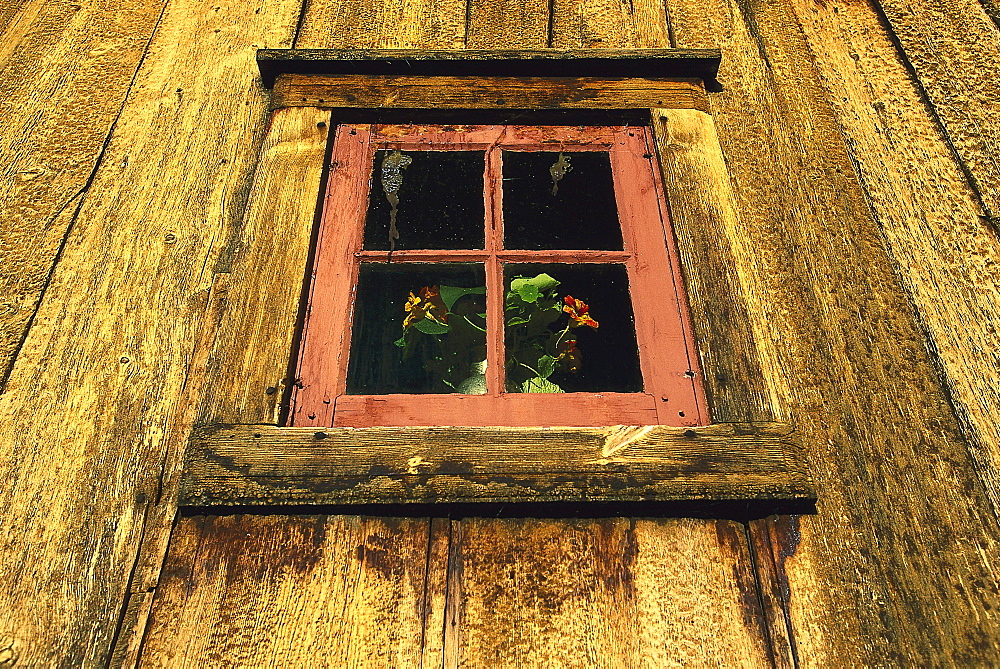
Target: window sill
235, 465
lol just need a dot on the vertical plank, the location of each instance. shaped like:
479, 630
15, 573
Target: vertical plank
436, 593
65, 68
947, 256
953, 47
610, 24
608, 593
880, 575
382, 24
248, 364
94, 404
291, 591
508, 24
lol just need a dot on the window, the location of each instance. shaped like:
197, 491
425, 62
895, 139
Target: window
496, 275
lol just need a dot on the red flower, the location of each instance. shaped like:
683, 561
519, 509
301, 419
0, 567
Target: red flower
428, 305
578, 312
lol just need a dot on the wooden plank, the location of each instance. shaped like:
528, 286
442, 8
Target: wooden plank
65, 68
931, 217
248, 364
880, 575
953, 47
507, 24
607, 593
95, 404
382, 24
500, 58
610, 24
401, 92
261, 464
287, 590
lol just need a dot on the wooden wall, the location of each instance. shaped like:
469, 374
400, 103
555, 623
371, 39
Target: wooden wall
861, 147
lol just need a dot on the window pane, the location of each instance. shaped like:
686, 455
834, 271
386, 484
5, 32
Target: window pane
557, 200
418, 328
570, 328
439, 198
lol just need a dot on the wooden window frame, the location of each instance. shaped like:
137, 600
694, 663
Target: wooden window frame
672, 392
238, 455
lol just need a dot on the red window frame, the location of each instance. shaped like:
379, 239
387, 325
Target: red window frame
673, 393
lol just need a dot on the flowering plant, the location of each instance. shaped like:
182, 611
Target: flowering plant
450, 329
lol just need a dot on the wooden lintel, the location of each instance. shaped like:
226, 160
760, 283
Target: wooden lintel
472, 92
268, 465
697, 63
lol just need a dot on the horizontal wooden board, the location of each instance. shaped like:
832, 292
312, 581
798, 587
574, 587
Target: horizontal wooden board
402, 92
700, 63
263, 464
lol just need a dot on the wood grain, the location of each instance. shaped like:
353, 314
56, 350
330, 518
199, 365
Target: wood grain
292, 591
507, 24
947, 255
881, 574
401, 92
65, 68
610, 24
260, 464
607, 593
249, 359
382, 24
953, 47
105, 361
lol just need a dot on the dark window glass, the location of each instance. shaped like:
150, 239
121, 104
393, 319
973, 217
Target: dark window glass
557, 200
569, 328
418, 328
440, 200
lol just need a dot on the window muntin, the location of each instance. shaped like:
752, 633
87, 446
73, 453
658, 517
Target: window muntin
636, 246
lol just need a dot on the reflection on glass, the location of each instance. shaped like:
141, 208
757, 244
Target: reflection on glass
569, 328
437, 197
555, 200
419, 329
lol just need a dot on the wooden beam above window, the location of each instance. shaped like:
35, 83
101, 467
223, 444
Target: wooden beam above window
605, 63
481, 92
263, 464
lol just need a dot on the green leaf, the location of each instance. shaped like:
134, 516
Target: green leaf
546, 365
540, 385
517, 320
427, 326
451, 294
401, 342
542, 282
528, 292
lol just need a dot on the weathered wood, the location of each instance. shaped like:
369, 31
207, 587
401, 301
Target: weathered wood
401, 92
249, 360
945, 252
261, 464
527, 62
953, 47
105, 361
607, 593
508, 24
292, 591
881, 574
65, 68
382, 24
705, 220
610, 24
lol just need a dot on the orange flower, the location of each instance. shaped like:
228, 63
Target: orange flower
569, 355
428, 305
578, 312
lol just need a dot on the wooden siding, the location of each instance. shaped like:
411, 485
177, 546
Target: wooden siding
858, 198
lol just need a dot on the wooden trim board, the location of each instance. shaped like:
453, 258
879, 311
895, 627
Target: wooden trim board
698, 63
486, 92
263, 464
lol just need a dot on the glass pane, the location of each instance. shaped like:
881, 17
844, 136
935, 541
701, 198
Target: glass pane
557, 200
438, 198
418, 328
569, 328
